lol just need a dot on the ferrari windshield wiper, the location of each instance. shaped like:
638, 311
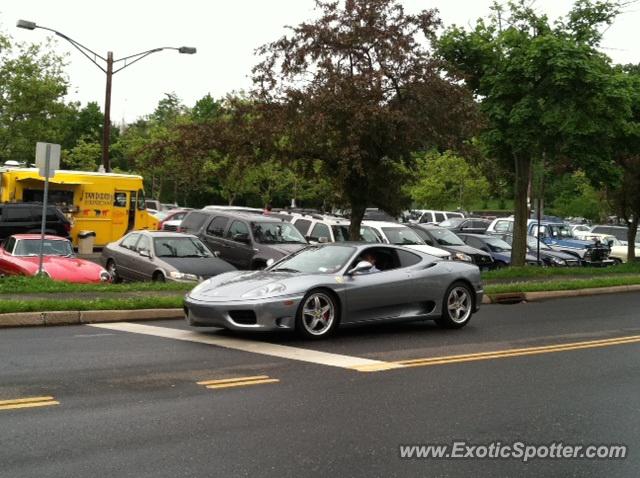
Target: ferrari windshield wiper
285, 269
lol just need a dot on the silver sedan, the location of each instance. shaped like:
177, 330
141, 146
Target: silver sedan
316, 289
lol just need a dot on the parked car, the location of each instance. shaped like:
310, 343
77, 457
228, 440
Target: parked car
558, 236
26, 218
548, 256
401, 235
500, 250
619, 232
247, 240
321, 287
578, 229
161, 256
445, 239
619, 251
19, 255
469, 225
428, 216
173, 219
324, 228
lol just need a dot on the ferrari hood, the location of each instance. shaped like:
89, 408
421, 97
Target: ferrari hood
233, 285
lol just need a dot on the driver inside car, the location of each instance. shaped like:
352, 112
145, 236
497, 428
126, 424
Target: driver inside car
370, 258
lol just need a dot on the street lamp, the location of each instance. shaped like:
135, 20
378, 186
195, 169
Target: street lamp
109, 70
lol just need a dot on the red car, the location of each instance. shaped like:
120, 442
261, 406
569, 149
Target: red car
19, 256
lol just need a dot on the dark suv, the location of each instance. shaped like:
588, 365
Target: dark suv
246, 240
20, 218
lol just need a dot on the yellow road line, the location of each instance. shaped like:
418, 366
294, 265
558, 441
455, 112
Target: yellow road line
242, 384
27, 403
231, 380
25, 400
519, 352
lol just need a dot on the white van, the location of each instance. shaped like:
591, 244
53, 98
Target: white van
429, 216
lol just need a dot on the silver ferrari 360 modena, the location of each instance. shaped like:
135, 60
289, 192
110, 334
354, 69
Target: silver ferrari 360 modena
320, 287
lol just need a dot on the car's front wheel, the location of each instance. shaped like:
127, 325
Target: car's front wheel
457, 306
317, 315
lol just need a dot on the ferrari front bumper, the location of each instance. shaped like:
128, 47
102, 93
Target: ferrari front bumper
275, 313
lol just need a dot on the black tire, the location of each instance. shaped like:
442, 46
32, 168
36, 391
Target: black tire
316, 327
158, 277
500, 264
456, 316
616, 261
113, 270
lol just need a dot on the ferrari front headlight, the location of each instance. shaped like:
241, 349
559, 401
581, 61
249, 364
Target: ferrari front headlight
264, 291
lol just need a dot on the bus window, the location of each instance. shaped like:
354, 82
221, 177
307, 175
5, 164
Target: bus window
141, 201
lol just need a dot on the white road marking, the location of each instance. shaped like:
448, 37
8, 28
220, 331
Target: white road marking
263, 348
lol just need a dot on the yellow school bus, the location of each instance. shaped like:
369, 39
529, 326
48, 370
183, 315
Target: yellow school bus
108, 204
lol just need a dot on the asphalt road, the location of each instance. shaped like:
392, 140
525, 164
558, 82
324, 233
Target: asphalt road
128, 404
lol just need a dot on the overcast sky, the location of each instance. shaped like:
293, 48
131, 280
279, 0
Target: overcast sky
225, 32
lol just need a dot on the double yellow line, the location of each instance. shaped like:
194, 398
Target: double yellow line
238, 382
497, 354
29, 402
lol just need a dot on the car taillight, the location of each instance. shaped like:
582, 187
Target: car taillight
160, 225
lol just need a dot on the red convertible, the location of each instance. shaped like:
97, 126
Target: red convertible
19, 256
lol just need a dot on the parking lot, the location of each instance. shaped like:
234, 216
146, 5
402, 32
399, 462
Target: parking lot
159, 399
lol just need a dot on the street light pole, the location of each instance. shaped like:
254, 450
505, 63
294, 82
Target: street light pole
106, 129
109, 71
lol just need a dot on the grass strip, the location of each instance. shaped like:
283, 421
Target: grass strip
576, 284
42, 305
39, 285
551, 272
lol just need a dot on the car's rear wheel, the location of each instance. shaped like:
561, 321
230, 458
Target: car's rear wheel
317, 315
616, 261
113, 271
457, 306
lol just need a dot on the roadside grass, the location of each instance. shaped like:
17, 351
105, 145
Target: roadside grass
9, 306
551, 272
576, 284
36, 285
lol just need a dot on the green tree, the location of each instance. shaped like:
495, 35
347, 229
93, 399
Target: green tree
446, 179
546, 91
358, 90
32, 88
86, 155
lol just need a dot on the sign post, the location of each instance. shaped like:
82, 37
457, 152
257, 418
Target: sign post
47, 161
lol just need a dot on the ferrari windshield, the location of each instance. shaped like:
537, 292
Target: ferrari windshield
277, 233
180, 247
401, 236
323, 260
31, 247
367, 233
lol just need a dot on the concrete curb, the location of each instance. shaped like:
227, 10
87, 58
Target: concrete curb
25, 319
514, 297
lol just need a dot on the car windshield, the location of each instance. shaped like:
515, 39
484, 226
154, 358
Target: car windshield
50, 247
532, 243
453, 222
367, 233
180, 247
277, 233
559, 231
323, 260
496, 245
444, 237
401, 236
